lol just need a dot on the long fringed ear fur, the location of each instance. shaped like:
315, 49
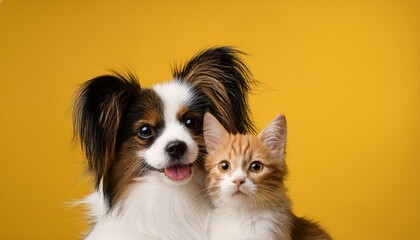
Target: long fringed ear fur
222, 76
97, 116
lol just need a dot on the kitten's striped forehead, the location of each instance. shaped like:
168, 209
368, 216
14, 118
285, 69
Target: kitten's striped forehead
242, 150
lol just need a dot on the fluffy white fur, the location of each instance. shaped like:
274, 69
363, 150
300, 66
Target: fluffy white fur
153, 210
242, 223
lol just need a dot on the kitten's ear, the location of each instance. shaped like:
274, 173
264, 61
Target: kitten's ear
213, 132
274, 135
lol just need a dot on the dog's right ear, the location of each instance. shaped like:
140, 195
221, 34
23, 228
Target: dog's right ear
99, 107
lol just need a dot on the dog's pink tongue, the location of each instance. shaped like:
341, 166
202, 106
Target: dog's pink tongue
178, 173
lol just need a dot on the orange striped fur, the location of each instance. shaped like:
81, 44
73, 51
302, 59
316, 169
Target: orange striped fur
241, 189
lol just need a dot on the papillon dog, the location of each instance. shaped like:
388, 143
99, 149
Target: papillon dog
145, 147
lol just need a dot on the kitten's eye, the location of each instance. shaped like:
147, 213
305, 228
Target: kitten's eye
145, 131
224, 166
256, 167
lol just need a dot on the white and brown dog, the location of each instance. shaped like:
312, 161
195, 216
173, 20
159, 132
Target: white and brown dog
145, 146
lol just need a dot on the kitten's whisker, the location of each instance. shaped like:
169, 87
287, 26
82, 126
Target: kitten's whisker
208, 204
205, 190
260, 201
275, 199
266, 202
207, 199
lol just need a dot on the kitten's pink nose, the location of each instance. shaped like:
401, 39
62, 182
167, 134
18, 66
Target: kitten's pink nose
238, 181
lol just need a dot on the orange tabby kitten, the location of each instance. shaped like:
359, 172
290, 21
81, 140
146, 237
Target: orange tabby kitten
245, 183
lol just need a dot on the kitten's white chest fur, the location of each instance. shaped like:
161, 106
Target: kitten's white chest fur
248, 224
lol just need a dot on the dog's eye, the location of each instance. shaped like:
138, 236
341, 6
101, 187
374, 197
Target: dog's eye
256, 167
192, 123
145, 131
224, 166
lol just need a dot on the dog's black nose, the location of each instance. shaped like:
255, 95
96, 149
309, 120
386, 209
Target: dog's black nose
176, 149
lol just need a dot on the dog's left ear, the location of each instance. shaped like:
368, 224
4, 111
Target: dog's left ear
97, 117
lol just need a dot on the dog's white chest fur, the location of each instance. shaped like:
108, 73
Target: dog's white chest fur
152, 210
245, 224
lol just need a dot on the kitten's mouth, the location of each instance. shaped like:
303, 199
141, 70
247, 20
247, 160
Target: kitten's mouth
238, 193
178, 172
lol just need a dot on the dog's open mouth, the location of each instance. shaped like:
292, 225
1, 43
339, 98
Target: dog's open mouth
178, 172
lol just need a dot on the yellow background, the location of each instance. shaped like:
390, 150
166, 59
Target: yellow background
345, 73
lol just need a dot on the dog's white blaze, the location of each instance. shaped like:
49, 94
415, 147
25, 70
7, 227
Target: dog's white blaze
174, 96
